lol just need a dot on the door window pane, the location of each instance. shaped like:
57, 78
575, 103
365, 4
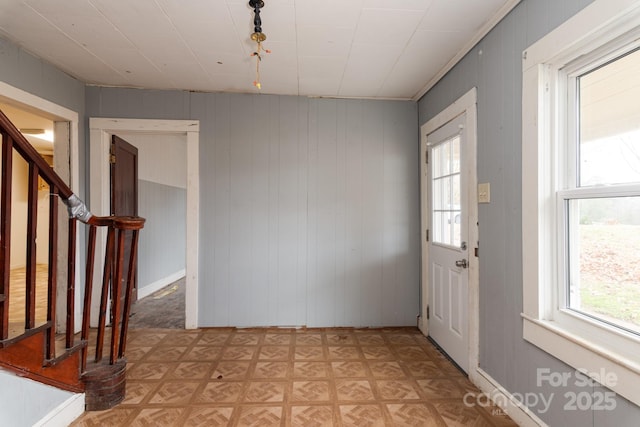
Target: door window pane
445, 187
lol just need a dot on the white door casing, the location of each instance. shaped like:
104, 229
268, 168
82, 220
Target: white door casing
464, 108
67, 165
100, 130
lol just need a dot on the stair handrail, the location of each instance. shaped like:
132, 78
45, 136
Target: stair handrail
118, 228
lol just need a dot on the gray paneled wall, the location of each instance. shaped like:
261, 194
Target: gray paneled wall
163, 240
300, 208
309, 208
29, 73
24, 71
494, 67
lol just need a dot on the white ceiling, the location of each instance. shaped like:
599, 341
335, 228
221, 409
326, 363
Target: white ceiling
393, 49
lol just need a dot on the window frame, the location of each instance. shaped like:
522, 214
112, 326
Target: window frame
549, 179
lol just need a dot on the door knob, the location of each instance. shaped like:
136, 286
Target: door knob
462, 263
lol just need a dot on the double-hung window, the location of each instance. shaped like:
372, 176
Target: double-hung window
599, 196
581, 194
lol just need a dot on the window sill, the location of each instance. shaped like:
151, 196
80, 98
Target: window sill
585, 355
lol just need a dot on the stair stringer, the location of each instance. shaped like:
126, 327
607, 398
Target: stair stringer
26, 358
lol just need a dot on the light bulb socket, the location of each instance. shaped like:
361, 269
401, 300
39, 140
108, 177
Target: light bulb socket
258, 37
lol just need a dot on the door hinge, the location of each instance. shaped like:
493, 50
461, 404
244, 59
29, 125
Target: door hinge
427, 312
112, 154
426, 156
427, 235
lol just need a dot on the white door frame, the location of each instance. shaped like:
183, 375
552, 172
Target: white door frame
57, 113
465, 104
100, 130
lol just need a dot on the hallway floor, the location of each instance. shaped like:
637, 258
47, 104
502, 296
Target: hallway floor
292, 377
162, 309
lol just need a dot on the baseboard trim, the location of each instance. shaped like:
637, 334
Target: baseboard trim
514, 408
65, 413
159, 284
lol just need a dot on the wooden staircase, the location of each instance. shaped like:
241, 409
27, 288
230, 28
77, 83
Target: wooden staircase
35, 348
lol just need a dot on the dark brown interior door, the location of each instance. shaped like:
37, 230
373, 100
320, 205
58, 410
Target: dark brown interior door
124, 190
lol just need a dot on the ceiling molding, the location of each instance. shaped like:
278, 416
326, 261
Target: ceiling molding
488, 26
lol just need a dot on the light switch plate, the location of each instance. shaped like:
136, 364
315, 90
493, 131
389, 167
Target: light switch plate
484, 193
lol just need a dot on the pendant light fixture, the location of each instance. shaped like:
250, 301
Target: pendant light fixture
258, 36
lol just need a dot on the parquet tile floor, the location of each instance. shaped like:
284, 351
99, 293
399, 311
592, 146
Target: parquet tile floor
277, 377
292, 377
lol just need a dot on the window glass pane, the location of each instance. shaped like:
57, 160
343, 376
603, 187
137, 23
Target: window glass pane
436, 156
609, 123
455, 154
604, 270
446, 193
455, 193
436, 188
454, 218
441, 159
454, 213
442, 193
445, 186
439, 229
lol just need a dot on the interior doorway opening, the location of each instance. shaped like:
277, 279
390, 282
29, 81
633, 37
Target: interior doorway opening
187, 132
53, 131
38, 130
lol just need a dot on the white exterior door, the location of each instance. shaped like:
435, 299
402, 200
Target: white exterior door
448, 244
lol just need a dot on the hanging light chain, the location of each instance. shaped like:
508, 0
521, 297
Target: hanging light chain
258, 36
257, 22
